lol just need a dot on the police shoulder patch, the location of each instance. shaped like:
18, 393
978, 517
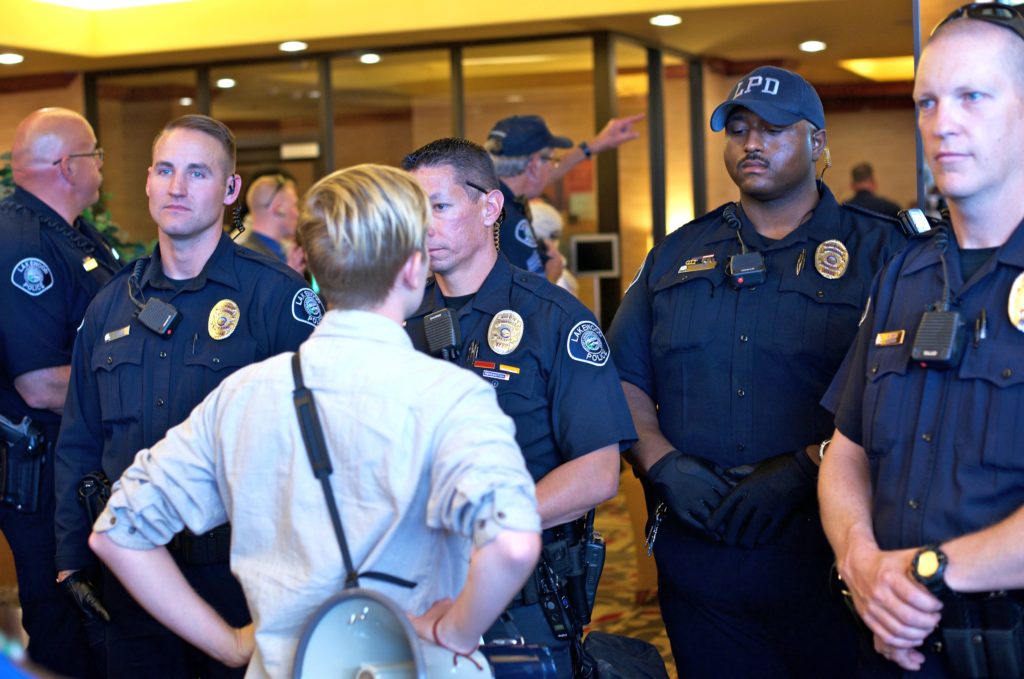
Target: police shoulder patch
524, 234
307, 307
586, 344
32, 276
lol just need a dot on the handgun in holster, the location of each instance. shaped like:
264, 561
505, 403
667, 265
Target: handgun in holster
93, 493
23, 449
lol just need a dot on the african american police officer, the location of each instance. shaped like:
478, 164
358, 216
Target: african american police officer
154, 343
923, 486
726, 340
540, 349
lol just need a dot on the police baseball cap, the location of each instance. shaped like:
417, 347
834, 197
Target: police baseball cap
778, 96
523, 135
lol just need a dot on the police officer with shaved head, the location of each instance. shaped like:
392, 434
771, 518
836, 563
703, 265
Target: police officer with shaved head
725, 341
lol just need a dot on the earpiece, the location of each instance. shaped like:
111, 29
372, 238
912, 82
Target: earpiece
828, 157
231, 186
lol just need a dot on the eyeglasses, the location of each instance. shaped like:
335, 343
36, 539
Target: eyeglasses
551, 159
97, 154
282, 181
479, 188
1007, 16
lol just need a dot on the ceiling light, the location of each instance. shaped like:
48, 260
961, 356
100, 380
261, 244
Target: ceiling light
225, 83
882, 69
313, 94
10, 58
370, 58
185, 101
100, 5
664, 20
812, 46
293, 46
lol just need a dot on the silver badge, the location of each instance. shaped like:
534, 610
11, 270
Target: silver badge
831, 259
1015, 304
505, 332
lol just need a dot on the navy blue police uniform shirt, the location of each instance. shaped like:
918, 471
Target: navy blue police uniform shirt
51, 271
516, 238
737, 374
130, 385
945, 447
558, 383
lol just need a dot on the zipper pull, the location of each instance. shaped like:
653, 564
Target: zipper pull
652, 534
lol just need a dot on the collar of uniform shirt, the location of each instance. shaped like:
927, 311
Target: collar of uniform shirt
220, 268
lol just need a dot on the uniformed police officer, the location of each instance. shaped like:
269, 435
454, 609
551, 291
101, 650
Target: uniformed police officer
53, 263
536, 344
524, 154
155, 341
923, 485
725, 341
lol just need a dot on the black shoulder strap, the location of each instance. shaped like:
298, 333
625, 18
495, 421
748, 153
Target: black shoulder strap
316, 448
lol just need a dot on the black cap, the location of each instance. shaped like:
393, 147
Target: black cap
778, 96
523, 135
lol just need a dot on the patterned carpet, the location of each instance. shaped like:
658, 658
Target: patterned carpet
617, 609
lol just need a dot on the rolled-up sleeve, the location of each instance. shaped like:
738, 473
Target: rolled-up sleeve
479, 482
168, 487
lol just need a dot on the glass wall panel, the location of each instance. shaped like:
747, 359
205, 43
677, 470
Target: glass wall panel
631, 90
553, 79
273, 109
678, 146
384, 110
132, 109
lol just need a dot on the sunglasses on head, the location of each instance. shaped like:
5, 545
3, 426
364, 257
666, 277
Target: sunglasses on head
1007, 16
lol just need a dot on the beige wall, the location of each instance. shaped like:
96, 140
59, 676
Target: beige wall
14, 107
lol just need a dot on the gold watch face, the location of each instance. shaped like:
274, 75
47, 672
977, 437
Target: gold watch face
927, 564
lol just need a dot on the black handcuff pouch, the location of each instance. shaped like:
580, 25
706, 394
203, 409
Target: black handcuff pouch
983, 634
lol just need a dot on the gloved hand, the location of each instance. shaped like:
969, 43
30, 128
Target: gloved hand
85, 596
691, 487
758, 507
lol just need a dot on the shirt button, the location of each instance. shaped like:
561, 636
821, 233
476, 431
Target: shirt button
1007, 372
163, 354
874, 369
110, 359
913, 504
159, 402
744, 338
113, 520
741, 393
740, 447
926, 437
216, 360
821, 294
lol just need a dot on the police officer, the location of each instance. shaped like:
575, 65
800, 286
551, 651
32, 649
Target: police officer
53, 263
725, 341
155, 341
923, 484
539, 348
524, 154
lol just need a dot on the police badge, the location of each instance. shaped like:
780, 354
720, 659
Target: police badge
586, 344
223, 319
307, 307
505, 332
32, 276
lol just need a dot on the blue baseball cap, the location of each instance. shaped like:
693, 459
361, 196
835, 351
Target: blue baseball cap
523, 135
778, 96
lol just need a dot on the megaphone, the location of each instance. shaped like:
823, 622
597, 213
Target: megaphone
362, 634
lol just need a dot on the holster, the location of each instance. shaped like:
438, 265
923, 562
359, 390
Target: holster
211, 547
983, 635
93, 493
21, 470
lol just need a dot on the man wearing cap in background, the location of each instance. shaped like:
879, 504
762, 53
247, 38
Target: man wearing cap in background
725, 342
523, 150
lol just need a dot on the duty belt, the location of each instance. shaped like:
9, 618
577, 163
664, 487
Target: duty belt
211, 547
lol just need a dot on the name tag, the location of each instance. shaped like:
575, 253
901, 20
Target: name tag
89, 263
117, 334
892, 338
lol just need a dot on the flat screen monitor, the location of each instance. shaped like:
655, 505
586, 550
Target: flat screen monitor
594, 254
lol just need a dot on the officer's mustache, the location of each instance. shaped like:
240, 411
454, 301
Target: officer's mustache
753, 158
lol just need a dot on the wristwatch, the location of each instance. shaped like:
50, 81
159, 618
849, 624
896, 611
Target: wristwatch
587, 151
822, 449
929, 568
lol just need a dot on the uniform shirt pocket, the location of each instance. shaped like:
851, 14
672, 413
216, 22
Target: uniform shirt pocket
887, 391
686, 309
989, 413
117, 366
816, 316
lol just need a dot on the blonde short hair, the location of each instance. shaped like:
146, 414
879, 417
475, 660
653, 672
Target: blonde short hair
359, 226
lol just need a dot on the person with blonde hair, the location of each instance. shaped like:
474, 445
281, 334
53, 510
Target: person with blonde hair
426, 466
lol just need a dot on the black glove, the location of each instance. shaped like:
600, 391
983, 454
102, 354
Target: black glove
758, 507
691, 487
86, 598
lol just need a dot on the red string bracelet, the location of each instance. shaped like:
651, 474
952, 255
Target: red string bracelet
455, 658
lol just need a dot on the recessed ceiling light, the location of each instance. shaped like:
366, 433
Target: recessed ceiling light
185, 101
664, 20
882, 69
370, 58
225, 83
102, 5
812, 46
10, 58
313, 94
293, 46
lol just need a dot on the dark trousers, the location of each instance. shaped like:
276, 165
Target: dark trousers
139, 646
529, 622
57, 637
763, 612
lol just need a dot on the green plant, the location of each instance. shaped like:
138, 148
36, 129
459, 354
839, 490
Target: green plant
97, 214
